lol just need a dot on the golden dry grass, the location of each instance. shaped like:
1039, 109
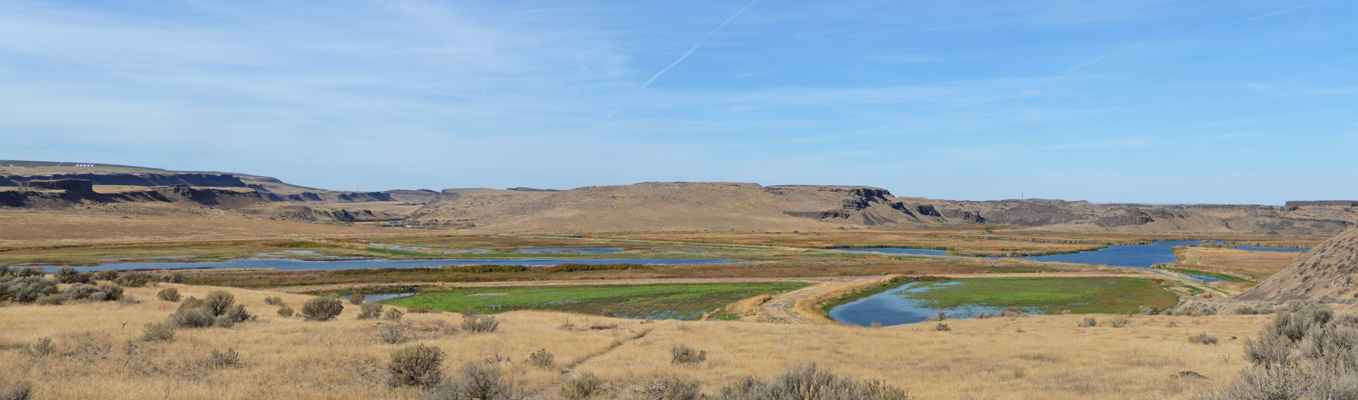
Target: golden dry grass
25, 227
1258, 265
1045, 357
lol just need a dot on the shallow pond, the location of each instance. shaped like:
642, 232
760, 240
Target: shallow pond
894, 307
586, 250
1260, 248
1133, 256
889, 250
298, 265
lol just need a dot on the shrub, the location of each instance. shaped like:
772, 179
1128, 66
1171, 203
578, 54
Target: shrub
1150, 310
394, 315
542, 359
28, 289
1119, 321
106, 275
218, 302
322, 309
5, 271
1088, 322
285, 312
16, 391
356, 298
479, 381
67, 274
941, 316
80, 291
169, 294
175, 278
273, 300
469, 312
682, 354
806, 382
51, 300
111, 292
1013, 312
135, 279
417, 365
42, 348
670, 389
581, 387
1269, 350
1203, 338
162, 332
191, 302
425, 310
942, 327
221, 359
480, 324
192, 318
393, 334
30, 272
370, 311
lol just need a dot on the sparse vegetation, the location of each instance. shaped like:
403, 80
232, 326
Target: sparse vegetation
356, 298
161, 332
542, 359
217, 309
582, 387
273, 300
1088, 322
1203, 338
41, 348
942, 327
285, 312
27, 289
1119, 321
480, 324
221, 359
135, 279
322, 309
393, 334
394, 315
682, 354
1305, 353
16, 391
807, 382
671, 388
479, 381
417, 365
424, 310
370, 311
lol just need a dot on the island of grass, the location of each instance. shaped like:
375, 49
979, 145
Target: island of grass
662, 301
1047, 295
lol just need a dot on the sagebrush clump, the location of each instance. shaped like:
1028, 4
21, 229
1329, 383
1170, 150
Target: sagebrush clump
542, 359
479, 381
480, 324
169, 294
1305, 353
370, 311
161, 332
1088, 322
135, 279
581, 387
417, 365
217, 309
322, 309
682, 354
807, 382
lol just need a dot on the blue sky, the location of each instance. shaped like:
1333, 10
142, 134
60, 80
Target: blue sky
1128, 101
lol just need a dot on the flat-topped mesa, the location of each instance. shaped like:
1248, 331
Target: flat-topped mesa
1323, 203
69, 185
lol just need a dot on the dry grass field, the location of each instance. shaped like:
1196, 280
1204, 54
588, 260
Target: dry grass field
1256, 265
20, 228
98, 355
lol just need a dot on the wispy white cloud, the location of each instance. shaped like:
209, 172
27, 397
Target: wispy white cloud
1282, 11
700, 43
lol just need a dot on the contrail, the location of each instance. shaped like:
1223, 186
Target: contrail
700, 43
1283, 11
1096, 60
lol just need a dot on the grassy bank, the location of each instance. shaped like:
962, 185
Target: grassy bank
648, 301
1050, 295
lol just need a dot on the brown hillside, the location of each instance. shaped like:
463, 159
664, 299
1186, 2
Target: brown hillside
1327, 270
677, 206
